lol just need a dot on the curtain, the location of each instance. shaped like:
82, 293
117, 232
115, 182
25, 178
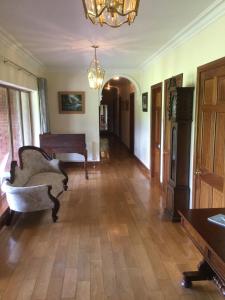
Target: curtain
43, 102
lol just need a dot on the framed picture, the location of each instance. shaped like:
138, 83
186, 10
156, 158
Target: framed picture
145, 102
71, 102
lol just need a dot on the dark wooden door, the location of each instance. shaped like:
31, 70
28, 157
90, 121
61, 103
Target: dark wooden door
132, 123
210, 145
156, 95
169, 86
120, 118
115, 113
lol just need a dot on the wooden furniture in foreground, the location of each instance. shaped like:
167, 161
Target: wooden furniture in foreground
35, 184
65, 143
180, 113
209, 160
209, 238
113, 243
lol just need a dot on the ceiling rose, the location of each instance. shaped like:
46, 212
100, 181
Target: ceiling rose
111, 12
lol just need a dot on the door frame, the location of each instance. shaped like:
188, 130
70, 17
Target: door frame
153, 88
217, 63
132, 122
120, 117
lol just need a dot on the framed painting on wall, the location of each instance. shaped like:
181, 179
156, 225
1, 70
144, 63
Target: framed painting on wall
71, 102
145, 102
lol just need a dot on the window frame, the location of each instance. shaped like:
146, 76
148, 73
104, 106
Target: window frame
3, 203
20, 90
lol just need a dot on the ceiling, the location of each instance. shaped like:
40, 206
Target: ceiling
57, 33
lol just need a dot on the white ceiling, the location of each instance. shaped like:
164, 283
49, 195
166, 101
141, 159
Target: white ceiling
58, 34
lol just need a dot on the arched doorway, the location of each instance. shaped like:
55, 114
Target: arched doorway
117, 111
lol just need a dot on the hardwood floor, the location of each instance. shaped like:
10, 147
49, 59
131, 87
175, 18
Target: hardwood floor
111, 242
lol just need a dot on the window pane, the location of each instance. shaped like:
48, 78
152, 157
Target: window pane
27, 132
5, 141
16, 123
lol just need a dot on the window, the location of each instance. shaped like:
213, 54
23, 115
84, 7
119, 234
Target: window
4, 131
16, 122
15, 125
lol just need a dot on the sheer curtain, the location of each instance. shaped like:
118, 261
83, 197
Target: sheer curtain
43, 100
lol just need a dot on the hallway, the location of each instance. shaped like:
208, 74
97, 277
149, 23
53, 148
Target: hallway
111, 242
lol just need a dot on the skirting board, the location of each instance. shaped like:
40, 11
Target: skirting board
143, 168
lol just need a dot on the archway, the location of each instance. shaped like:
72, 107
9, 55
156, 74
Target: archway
117, 111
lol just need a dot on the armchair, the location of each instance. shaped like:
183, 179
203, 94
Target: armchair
36, 184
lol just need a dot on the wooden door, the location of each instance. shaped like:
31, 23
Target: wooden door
120, 118
210, 145
132, 123
156, 97
169, 86
115, 113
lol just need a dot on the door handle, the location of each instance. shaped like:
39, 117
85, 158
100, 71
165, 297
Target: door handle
198, 172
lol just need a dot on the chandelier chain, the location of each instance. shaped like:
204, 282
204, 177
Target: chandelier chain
95, 72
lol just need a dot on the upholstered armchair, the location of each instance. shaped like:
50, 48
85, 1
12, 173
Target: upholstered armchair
36, 183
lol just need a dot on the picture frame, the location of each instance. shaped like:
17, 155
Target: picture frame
71, 102
145, 102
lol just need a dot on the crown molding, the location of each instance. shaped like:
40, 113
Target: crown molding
11, 42
205, 18
76, 69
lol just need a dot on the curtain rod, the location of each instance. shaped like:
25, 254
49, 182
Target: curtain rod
18, 67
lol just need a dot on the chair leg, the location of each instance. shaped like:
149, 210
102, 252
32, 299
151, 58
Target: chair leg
65, 186
55, 210
10, 217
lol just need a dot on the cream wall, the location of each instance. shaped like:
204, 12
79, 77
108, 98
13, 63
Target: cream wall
87, 123
11, 76
9, 48
204, 47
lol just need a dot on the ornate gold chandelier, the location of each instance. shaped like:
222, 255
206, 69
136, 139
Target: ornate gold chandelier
95, 72
111, 12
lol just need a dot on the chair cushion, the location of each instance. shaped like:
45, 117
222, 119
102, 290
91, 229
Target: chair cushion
48, 178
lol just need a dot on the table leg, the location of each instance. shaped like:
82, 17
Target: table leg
204, 273
85, 170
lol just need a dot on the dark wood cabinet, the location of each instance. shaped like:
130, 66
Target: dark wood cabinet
180, 113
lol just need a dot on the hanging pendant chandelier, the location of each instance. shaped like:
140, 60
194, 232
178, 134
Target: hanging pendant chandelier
111, 12
95, 72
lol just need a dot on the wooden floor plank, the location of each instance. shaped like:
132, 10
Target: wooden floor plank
83, 290
111, 242
69, 283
